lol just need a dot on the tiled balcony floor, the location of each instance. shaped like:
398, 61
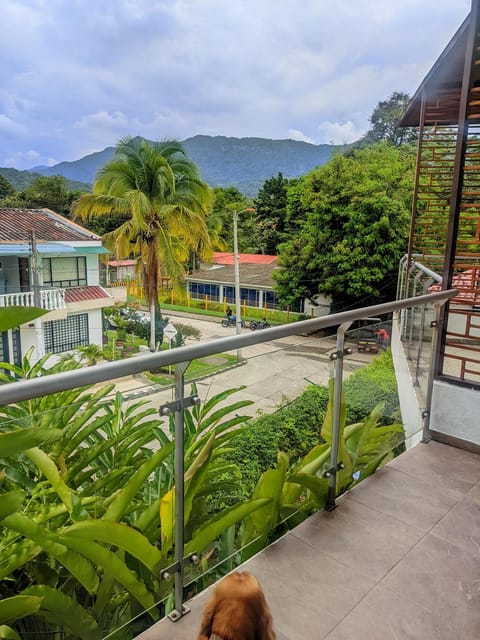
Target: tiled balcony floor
398, 559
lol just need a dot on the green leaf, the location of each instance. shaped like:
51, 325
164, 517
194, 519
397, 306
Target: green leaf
50, 471
6, 633
260, 523
17, 607
120, 535
123, 499
14, 316
10, 502
60, 609
214, 527
14, 442
54, 544
112, 566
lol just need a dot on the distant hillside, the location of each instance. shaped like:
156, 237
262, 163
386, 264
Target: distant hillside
23, 179
241, 162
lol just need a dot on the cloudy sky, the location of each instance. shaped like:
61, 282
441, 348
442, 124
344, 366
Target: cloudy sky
77, 75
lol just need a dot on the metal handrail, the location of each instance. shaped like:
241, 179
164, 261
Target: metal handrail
33, 388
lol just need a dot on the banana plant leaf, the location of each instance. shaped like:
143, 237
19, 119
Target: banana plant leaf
119, 535
14, 316
14, 442
17, 607
122, 500
7, 633
214, 527
112, 565
53, 544
259, 523
59, 609
10, 502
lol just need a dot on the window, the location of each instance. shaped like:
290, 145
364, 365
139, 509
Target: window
65, 335
200, 290
65, 272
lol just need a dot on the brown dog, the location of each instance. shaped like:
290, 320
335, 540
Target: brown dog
237, 611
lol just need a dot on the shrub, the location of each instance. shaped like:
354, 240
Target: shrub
294, 429
376, 383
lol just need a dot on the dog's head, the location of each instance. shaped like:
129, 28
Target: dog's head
238, 610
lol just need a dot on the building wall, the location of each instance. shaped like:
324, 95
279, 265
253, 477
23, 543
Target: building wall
455, 411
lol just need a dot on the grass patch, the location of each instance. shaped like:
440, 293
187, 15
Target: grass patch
197, 369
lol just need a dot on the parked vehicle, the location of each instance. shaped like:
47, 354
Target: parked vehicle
259, 324
231, 321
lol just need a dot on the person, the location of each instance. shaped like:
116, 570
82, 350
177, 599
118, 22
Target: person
384, 338
229, 313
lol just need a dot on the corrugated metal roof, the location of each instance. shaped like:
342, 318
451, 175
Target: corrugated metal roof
80, 294
16, 226
220, 257
253, 275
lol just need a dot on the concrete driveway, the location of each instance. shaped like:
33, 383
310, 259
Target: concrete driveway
274, 372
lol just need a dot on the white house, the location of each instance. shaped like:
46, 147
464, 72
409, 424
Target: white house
49, 261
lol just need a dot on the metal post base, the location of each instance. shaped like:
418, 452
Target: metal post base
175, 615
331, 507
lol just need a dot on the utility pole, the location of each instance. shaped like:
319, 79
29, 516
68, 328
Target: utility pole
37, 301
236, 264
37, 298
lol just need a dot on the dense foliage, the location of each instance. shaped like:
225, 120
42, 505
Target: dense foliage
271, 210
354, 228
51, 192
295, 428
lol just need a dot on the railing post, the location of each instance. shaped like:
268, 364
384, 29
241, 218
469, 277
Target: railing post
431, 374
178, 407
335, 464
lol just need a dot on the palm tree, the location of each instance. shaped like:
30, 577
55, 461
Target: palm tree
164, 202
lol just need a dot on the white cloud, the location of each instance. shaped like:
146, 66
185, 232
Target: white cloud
295, 134
339, 133
82, 74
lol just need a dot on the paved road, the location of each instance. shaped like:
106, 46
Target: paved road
274, 372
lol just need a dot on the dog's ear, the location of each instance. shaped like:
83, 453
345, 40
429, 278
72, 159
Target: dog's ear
207, 618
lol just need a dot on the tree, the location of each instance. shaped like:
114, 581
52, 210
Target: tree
385, 119
159, 190
226, 201
354, 229
271, 207
6, 187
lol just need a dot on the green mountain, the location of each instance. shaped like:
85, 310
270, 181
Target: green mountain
23, 179
241, 162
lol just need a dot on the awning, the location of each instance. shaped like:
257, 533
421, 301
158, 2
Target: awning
98, 249
52, 247
15, 249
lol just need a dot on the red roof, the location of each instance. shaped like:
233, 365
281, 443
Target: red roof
220, 257
80, 294
468, 284
122, 263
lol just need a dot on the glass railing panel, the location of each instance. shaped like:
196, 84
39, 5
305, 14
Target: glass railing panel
97, 465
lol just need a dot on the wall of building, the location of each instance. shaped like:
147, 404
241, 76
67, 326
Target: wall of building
455, 411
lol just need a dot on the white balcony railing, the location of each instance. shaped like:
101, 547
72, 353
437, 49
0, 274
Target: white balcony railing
50, 299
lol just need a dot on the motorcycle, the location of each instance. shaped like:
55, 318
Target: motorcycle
231, 321
259, 324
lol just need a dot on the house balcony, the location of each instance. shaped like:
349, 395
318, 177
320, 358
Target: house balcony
50, 299
399, 556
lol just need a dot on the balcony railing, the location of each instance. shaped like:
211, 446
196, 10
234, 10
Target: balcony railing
175, 411
50, 299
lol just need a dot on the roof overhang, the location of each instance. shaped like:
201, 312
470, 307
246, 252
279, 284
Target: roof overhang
442, 85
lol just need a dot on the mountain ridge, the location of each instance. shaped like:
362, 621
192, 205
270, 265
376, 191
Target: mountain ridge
223, 161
